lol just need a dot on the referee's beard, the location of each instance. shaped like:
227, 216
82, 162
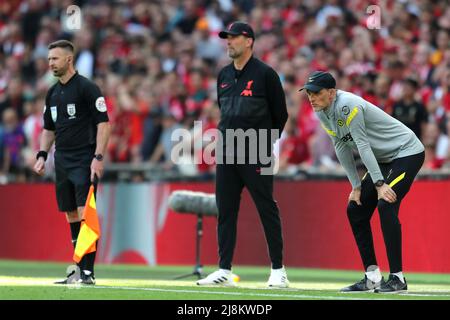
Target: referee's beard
59, 72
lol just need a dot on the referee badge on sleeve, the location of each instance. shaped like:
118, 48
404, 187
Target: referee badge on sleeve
54, 113
100, 104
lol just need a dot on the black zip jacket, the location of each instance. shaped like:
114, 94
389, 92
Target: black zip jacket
251, 98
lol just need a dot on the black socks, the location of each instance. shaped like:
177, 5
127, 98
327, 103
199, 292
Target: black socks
87, 263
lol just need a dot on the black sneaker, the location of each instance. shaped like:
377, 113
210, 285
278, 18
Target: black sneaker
365, 285
393, 285
87, 279
73, 275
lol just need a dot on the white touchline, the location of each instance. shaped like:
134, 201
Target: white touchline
274, 295
43, 281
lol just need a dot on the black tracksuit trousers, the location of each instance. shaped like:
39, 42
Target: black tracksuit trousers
230, 180
399, 174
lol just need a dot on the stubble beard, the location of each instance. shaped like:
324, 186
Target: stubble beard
60, 71
233, 53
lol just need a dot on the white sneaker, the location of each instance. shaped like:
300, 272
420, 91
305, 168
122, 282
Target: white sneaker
220, 277
278, 279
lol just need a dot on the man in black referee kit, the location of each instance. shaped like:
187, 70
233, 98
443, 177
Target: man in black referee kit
250, 98
392, 154
76, 119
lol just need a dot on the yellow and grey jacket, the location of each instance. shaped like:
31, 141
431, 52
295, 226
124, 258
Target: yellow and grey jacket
354, 123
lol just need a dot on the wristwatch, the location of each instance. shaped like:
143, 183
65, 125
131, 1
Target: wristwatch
42, 154
379, 183
99, 157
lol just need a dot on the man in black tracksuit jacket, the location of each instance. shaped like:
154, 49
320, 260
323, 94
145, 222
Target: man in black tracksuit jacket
251, 100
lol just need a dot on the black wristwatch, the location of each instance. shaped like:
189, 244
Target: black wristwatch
99, 157
42, 154
379, 183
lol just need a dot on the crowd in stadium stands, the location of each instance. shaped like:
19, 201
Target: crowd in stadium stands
157, 61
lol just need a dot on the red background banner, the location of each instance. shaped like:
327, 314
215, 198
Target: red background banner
316, 230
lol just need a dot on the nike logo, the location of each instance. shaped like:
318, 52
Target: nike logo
224, 85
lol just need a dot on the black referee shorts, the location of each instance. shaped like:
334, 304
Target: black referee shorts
73, 178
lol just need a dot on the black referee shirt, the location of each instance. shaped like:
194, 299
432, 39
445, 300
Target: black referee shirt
73, 111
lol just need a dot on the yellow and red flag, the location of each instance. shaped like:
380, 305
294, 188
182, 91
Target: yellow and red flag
90, 229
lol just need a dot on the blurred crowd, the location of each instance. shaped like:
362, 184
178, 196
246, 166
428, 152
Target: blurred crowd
157, 61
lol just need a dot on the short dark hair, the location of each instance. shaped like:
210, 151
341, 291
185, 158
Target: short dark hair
65, 44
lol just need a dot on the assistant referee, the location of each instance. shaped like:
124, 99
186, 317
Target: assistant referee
76, 119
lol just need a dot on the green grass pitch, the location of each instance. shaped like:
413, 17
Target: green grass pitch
21, 280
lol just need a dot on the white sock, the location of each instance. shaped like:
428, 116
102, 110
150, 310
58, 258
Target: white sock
400, 276
226, 271
373, 273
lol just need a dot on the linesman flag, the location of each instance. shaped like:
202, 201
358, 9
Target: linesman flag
90, 229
